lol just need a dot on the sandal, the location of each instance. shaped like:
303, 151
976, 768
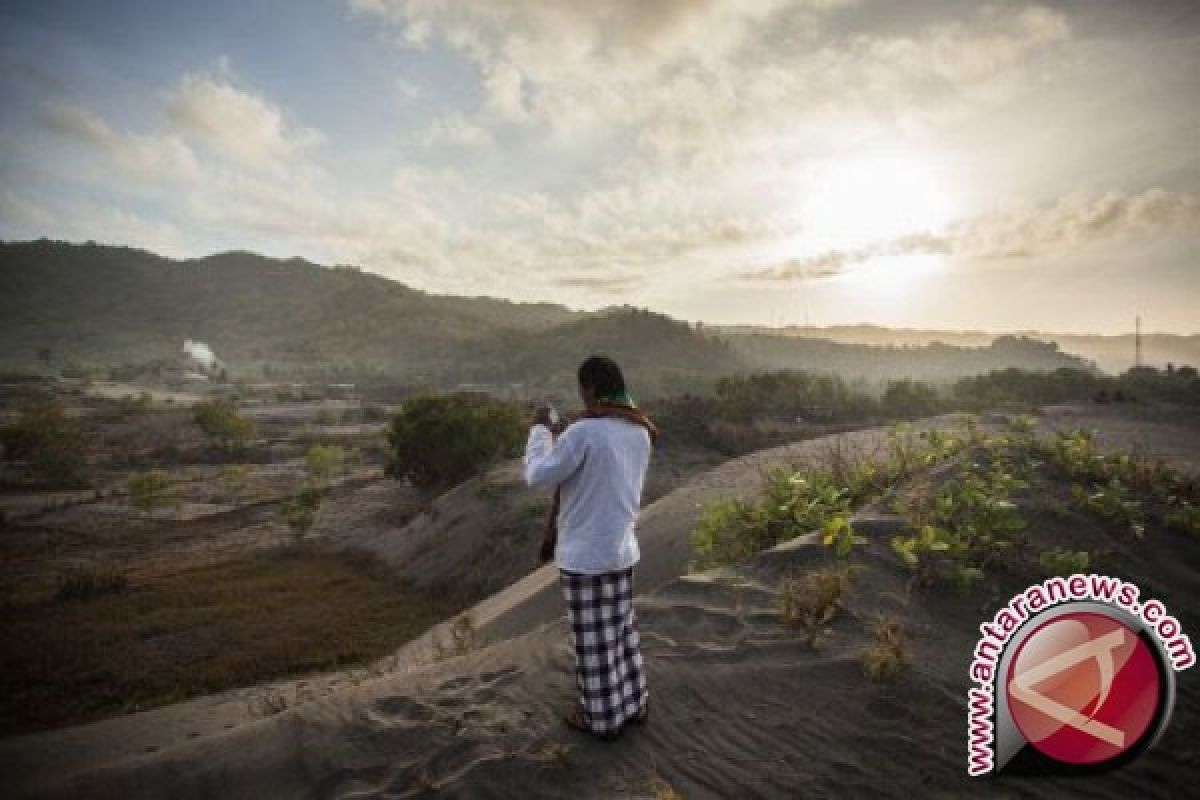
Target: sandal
576, 719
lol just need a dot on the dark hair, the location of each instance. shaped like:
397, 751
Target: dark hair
602, 375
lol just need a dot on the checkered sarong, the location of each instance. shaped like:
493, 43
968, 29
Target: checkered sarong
608, 669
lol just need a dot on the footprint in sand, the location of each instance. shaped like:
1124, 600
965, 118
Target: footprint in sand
399, 706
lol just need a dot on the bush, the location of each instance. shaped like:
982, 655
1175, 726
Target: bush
887, 656
324, 461
810, 602
300, 510
910, 399
1064, 562
437, 441
221, 422
51, 443
149, 490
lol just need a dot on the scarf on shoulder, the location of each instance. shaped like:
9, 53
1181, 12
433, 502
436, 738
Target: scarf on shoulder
618, 406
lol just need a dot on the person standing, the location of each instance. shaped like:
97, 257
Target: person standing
597, 467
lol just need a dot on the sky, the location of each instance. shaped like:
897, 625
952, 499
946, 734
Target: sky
931, 163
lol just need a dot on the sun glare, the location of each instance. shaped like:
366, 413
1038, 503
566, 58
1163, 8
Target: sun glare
859, 201
895, 278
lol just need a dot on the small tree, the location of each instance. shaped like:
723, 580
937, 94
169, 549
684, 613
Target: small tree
300, 510
150, 490
437, 441
50, 442
220, 420
324, 461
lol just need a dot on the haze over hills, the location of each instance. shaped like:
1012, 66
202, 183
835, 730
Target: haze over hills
99, 306
1113, 353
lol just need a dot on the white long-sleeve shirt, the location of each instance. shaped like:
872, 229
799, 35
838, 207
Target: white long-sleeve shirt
601, 466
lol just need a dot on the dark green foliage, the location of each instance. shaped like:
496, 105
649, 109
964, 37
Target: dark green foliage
149, 490
790, 394
911, 399
437, 441
300, 510
50, 443
220, 420
796, 502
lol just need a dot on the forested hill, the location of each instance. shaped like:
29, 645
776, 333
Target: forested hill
98, 307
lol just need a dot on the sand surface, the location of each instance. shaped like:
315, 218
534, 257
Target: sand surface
741, 706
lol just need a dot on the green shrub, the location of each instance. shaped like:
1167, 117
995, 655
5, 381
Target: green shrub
221, 422
300, 510
50, 443
149, 490
839, 535
437, 441
324, 461
729, 532
1064, 562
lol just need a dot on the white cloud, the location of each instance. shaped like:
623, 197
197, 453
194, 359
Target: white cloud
1075, 222
455, 129
236, 123
153, 157
19, 212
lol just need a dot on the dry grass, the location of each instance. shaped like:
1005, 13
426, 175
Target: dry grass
810, 601
85, 581
887, 655
197, 631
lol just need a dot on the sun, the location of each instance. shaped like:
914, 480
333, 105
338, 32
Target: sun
862, 200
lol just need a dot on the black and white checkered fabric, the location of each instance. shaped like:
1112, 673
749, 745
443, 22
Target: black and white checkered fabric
609, 671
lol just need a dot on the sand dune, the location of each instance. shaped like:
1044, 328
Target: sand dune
741, 706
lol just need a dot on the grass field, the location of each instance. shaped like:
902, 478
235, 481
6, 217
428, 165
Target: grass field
106, 647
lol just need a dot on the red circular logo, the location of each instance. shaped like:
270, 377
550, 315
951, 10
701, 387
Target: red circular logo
1083, 688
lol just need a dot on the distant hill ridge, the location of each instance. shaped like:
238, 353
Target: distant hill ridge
1112, 353
97, 305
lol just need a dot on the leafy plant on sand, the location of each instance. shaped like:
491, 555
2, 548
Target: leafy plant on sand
1059, 561
796, 502
808, 602
969, 523
839, 534
1183, 516
1112, 502
888, 654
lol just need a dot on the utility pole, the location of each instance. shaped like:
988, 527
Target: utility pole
1137, 341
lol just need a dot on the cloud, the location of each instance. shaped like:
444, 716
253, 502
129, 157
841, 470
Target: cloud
606, 284
1074, 222
19, 212
236, 123
455, 129
154, 157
